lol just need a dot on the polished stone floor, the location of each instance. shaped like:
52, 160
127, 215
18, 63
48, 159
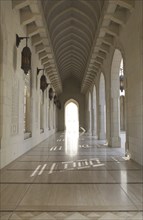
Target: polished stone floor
71, 178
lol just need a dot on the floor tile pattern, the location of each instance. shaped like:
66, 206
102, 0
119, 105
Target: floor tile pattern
81, 180
72, 216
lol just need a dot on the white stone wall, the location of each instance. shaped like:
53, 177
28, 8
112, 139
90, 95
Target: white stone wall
13, 143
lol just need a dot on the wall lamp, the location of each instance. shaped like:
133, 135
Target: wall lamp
25, 55
51, 93
58, 104
43, 80
55, 99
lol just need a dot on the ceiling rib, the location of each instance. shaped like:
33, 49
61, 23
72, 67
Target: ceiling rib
72, 27
31, 16
115, 17
73, 38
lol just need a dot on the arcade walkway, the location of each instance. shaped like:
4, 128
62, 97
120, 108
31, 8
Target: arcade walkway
56, 181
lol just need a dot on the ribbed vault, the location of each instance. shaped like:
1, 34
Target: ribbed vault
72, 26
73, 37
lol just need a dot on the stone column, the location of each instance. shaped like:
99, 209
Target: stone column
89, 123
94, 123
122, 113
53, 115
115, 140
127, 150
102, 122
49, 116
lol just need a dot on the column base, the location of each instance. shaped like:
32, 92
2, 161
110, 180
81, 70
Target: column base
127, 152
115, 142
88, 133
95, 137
94, 134
102, 136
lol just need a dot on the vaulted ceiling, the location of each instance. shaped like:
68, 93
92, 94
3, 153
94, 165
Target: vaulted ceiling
73, 37
72, 25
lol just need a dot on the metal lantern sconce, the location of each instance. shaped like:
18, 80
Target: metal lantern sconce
55, 99
58, 104
43, 80
25, 55
51, 93
43, 83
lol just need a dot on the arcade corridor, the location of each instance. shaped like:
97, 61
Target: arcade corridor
84, 163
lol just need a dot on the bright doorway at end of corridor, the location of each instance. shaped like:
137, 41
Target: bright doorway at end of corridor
71, 116
72, 127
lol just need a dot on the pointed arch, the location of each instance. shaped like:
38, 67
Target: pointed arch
117, 101
72, 115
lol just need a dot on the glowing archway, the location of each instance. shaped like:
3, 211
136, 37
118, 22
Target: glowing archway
72, 127
71, 115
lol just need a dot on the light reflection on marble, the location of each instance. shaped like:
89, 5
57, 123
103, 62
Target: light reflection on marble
135, 193
89, 177
12, 195
71, 142
5, 215
16, 177
123, 177
75, 197
75, 177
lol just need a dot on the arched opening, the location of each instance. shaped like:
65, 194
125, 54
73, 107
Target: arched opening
102, 108
122, 106
72, 127
118, 134
71, 116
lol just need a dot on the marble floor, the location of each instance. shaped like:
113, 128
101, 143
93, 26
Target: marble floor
67, 177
